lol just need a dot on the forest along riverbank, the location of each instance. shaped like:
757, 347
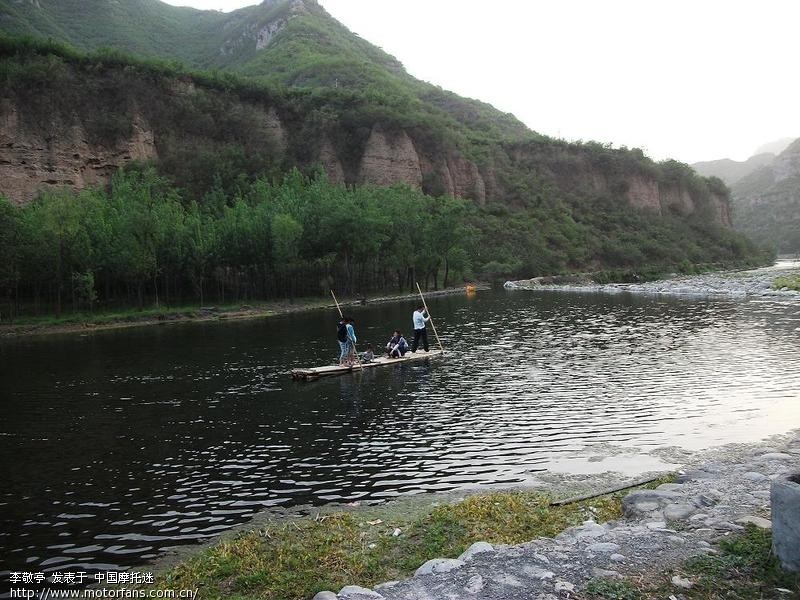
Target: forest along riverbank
781, 280
86, 322
646, 543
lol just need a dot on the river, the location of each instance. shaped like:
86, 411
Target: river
116, 445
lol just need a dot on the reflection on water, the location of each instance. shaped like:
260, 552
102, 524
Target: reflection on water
117, 445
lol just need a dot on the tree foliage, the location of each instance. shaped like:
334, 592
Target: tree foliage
144, 240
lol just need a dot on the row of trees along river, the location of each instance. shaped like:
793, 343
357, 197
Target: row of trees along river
142, 241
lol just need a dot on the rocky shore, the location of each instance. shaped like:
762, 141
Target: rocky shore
722, 284
710, 500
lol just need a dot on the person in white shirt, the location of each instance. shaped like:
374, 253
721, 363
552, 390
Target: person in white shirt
420, 317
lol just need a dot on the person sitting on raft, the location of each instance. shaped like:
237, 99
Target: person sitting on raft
368, 355
397, 346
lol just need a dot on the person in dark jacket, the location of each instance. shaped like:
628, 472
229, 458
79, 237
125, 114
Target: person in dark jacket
346, 336
397, 346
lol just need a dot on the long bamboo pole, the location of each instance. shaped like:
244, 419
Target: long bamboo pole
358, 358
430, 318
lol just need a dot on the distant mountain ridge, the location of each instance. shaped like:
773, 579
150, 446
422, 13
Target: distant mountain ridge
766, 201
731, 171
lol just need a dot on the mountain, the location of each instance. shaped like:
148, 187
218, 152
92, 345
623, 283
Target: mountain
767, 202
775, 147
731, 171
290, 87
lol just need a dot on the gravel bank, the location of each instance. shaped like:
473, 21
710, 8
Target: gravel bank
711, 499
721, 284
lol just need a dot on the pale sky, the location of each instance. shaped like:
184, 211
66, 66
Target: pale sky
691, 80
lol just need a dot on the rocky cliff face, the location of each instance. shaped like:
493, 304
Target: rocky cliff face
581, 174
32, 162
390, 157
60, 153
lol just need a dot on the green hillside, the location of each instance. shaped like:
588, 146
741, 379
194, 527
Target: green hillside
216, 215
143, 27
309, 49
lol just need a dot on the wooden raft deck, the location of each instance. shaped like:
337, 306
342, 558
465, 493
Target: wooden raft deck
381, 361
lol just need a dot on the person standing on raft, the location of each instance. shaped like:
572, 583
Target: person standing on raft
352, 357
420, 317
346, 336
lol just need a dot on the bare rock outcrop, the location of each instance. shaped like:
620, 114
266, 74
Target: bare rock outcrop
643, 193
330, 162
465, 179
31, 162
676, 198
722, 209
273, 130
390, 157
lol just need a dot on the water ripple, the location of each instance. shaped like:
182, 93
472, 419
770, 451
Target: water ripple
122, 444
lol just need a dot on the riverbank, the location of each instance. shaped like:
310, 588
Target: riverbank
90, 322
646, 543
775, 281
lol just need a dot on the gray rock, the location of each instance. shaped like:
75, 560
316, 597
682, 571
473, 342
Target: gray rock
727, 526
385, 586
676, 539
785, 501
476, 548
542, 558
325, 596
705, 500
598, 572
474, 585
617, 557
656, 525
588, 531
357, 592
776, 456
538, 572
507, 579
639, 503
755, 476
602, 547
696, 475
564, 586
678, 512
757, 521
681, 582
670, 487
439, 565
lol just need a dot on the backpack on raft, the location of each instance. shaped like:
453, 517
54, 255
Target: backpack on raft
341, 333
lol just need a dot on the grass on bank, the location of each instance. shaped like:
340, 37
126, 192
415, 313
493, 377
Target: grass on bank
163, 313
743, 569
790, 281
296, 559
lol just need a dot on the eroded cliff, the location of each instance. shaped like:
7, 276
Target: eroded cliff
174, 121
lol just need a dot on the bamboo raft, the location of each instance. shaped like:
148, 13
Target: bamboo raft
379, 361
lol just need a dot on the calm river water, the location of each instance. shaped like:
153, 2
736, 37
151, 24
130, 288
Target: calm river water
116, 445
